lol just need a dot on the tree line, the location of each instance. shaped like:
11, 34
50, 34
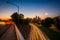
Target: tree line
47, 22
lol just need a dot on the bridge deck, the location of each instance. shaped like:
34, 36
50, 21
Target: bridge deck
9, 34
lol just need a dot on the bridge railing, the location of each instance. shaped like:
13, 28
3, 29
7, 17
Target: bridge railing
18, 34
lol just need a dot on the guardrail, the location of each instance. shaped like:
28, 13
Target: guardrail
18, 34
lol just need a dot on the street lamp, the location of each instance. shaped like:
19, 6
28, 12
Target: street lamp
14, 5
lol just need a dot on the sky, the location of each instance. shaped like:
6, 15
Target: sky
30, 8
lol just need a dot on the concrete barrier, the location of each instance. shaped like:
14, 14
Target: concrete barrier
18, 34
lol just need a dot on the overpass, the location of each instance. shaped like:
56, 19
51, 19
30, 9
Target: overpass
13, 33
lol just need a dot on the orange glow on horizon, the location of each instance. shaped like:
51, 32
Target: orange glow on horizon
5, 18
2, 23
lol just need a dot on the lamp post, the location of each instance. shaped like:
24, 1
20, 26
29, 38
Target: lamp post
14, 5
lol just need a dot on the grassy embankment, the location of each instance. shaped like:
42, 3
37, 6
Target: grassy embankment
53, 35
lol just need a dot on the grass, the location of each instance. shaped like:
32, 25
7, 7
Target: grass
53, 35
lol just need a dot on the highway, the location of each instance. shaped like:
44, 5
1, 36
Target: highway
36, 34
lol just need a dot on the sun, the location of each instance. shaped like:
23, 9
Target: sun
46, 14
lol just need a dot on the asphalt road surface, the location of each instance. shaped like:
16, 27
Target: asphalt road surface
9, 34
4, 29
36, 34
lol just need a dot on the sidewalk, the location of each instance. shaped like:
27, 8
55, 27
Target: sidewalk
9, 34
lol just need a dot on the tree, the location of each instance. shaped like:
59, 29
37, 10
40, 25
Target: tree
57, 22
15, 17
21, 19
47, 22
0, 19
21, 16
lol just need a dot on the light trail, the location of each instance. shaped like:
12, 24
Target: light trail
36, 34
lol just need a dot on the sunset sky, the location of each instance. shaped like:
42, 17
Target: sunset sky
30, 8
